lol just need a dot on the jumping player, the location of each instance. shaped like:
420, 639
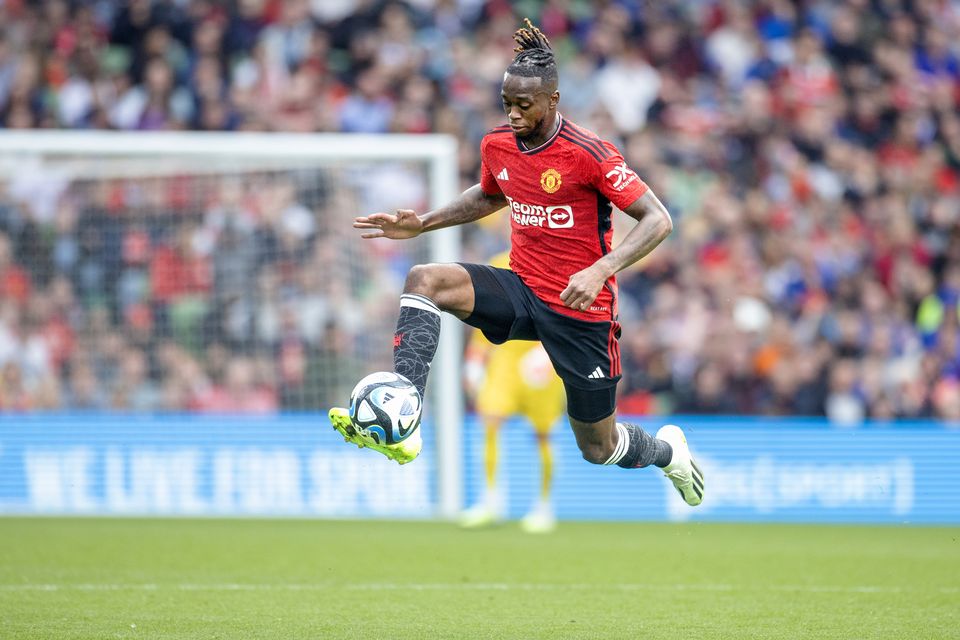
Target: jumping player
515, 378
557, 181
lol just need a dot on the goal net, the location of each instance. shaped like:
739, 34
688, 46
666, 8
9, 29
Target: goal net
212, 273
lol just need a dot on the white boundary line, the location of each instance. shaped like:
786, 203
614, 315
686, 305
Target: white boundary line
478, 586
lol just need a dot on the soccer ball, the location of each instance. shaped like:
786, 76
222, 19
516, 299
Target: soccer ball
385, 407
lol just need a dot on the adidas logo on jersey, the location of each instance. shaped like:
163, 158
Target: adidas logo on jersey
503, 175
596, 374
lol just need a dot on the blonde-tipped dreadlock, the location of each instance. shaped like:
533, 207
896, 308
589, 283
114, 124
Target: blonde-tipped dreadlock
534, 55
530, 37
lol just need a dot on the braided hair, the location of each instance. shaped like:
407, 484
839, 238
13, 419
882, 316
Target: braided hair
534, 55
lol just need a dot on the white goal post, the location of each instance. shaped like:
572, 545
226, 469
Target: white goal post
177, 152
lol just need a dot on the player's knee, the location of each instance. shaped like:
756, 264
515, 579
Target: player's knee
448, 285
595, 452
420, 280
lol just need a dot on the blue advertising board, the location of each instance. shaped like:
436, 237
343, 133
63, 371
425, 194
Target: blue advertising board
777, 470
188, 465
757, 469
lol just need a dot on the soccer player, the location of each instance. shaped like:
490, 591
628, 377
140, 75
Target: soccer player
557, 181
515, 378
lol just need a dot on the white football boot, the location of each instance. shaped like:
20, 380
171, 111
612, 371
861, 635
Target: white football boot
682, 470
541, 519
485, 513
403, 452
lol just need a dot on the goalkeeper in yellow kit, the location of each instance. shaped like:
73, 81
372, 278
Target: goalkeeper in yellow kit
515, 378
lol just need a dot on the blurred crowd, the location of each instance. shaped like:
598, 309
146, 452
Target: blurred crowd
809, 152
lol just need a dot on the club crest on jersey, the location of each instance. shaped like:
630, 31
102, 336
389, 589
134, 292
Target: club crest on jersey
550, 180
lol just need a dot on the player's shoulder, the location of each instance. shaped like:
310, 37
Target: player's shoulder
587, 143
498, 135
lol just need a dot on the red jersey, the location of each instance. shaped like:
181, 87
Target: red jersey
559, 196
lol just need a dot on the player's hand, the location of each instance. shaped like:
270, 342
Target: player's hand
403, 224
582, 289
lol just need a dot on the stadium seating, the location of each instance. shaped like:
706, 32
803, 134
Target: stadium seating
811, 160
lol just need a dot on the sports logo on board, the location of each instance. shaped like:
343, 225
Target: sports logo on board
550, 180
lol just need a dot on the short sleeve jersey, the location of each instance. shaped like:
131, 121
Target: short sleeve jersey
559, 196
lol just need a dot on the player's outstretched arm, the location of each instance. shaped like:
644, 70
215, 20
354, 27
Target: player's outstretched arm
471, 205
653, 225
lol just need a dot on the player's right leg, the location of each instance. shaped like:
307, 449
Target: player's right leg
429, 289
402, 452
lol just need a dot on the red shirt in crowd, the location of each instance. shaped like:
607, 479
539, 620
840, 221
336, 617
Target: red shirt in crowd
174, 275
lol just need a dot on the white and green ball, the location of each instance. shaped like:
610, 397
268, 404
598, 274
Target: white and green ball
385, 407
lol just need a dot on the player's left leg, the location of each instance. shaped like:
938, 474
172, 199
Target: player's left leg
592, 400
605, 441
575, 348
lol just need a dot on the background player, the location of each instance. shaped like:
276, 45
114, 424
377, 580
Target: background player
559, 182
515, 378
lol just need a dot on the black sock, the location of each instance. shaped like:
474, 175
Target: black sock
637, 448
416, 338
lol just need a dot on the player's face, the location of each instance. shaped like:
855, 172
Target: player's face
530, 107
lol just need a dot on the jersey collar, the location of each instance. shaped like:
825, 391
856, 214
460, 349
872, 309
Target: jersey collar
546, 144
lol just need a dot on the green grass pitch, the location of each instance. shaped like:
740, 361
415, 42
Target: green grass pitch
105, 578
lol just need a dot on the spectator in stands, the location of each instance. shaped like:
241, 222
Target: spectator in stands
180, 281
369, 109
239, 392
15, 284
85, 393
810, 153
133, 390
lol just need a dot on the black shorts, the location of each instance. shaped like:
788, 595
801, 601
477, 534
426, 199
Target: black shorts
585, 354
